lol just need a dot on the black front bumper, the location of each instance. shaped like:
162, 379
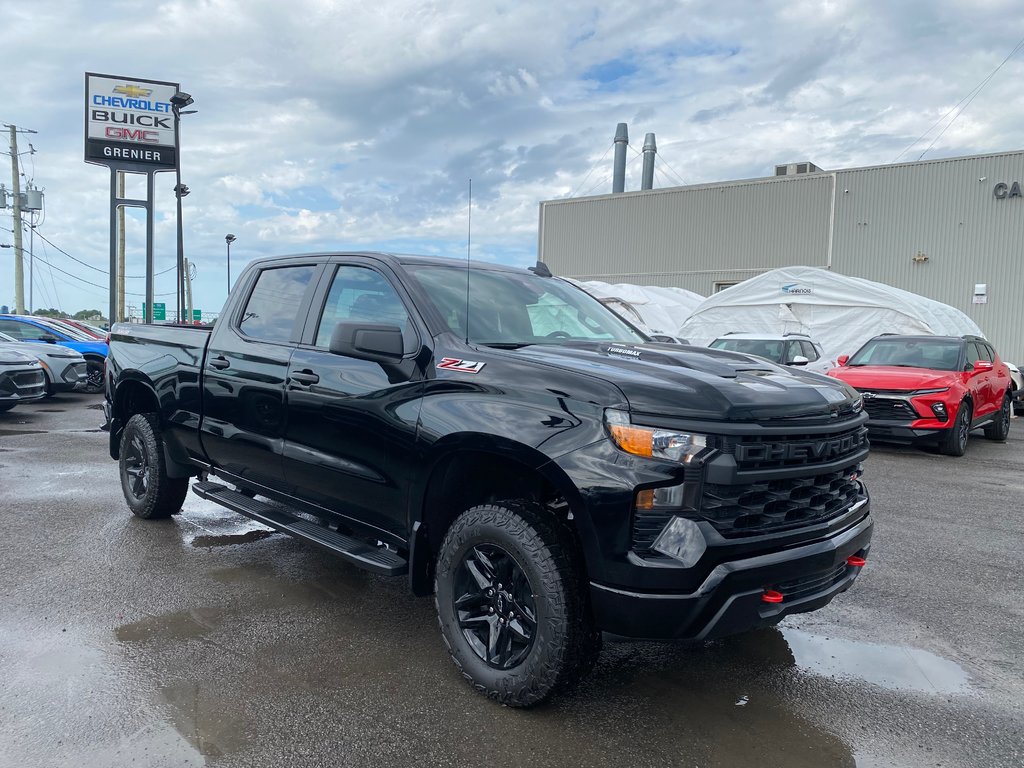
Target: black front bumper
730, 599
902, 432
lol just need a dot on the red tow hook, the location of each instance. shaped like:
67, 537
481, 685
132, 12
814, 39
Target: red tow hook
772, 596
856, 561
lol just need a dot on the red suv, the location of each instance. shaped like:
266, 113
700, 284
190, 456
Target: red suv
930, 387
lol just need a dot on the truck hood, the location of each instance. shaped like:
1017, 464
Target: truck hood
876, 377
700, 383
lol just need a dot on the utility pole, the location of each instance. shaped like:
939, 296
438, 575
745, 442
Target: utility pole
19, 256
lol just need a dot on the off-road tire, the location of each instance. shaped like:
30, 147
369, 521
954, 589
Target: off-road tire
954, 440
149, 492
565, 643
1000, 428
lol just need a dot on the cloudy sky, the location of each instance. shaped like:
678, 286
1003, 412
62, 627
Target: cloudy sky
330, 124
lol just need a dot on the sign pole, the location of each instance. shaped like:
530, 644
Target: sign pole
112, 316
150, 194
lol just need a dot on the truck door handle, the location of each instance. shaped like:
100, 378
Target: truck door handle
220, 362
304, 377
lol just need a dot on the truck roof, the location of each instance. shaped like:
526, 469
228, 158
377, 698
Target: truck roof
404, 259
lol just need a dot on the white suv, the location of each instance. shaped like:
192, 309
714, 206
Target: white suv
785, 349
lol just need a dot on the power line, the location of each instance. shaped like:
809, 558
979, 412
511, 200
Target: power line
592, 168
971, 95
95, 285
90, 266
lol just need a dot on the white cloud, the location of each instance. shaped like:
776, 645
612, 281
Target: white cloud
326, 124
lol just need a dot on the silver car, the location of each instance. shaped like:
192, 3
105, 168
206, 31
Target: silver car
63, 368
21, 379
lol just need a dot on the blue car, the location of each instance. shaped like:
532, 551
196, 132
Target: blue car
37, 329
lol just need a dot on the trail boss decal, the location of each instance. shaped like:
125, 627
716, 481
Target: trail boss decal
466, 366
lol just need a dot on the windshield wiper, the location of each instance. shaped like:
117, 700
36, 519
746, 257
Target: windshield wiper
505, 344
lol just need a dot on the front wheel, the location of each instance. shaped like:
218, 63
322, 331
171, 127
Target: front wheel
150, 493
954, 440
511, 603
1000, 428
93, 376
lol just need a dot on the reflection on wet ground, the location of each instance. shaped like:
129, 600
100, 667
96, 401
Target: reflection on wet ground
16, 432
889, 666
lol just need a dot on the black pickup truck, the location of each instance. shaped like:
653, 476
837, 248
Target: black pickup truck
508, 444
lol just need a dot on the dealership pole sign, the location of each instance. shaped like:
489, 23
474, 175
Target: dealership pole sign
129, 121
131, 126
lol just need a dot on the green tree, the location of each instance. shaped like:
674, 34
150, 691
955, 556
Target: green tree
86, 314
51, 312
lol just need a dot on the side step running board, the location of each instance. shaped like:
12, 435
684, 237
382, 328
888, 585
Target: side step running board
357, 552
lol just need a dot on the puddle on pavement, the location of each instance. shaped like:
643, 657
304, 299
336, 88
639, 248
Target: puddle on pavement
182, 625
50, 410
230, 539
16, 432
204, 719
897, 668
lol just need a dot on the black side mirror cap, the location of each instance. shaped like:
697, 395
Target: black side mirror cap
367, 341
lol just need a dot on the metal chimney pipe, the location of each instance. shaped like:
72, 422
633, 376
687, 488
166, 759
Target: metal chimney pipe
619, 168
650, 150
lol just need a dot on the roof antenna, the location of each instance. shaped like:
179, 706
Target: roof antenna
469, 240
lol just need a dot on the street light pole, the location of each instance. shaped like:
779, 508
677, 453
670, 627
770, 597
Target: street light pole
229, 239
178, 101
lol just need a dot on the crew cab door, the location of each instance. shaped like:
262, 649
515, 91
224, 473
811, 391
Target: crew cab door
243, 424
351, 431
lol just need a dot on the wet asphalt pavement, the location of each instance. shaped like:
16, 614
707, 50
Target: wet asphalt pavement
208, 640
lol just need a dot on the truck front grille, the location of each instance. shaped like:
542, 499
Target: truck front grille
794, 450
775, 505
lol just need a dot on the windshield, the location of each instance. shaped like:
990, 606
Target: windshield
772, 349
937, 354
72, 333
513, 308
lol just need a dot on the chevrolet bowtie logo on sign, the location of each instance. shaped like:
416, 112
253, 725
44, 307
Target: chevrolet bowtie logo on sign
133, 91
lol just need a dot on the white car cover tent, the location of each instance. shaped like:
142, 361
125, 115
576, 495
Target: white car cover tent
651, 308
839, 312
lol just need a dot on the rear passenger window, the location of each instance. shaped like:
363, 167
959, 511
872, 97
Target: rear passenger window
275, 302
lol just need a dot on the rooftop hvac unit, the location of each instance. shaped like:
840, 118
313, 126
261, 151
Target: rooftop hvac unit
796, 169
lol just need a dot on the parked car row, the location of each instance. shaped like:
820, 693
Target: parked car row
66, 355
935, 389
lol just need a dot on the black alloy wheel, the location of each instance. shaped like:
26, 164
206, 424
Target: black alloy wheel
1000, 428
954, 440
147, 489
493, 601
134, 467
93, 383
512, 602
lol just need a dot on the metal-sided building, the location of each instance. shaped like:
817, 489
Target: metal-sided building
951, 230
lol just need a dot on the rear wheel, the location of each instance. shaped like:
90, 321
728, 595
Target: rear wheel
1000, 428
150, 493
511, 603
954, 441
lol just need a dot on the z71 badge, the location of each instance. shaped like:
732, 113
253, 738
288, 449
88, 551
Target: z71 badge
466, 366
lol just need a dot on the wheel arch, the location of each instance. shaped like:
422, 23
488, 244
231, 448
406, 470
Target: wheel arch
465, 473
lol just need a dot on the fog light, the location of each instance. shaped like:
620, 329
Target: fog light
682, 540
939, 409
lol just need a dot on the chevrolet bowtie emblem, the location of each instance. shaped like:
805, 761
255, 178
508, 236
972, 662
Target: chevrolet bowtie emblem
133, 91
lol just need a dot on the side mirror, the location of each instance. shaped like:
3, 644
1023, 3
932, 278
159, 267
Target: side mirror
368, 341
665, 338
49, 338
798, 360
843, 359
983, 365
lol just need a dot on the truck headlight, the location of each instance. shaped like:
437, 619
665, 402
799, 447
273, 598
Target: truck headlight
682, 447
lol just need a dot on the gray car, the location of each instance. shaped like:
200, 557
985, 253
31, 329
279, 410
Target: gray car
21, 379
63, 368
